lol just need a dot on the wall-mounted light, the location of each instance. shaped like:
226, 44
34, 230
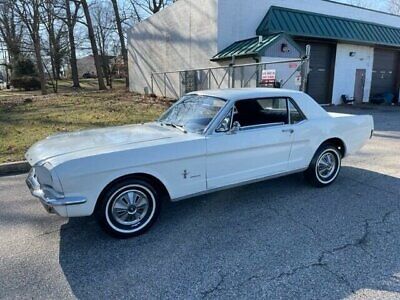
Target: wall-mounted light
284, 48
352, 54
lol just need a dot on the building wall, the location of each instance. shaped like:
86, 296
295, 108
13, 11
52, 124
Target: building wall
187, 34
182, 36
275, 50
86, 65
345, 70
239, 19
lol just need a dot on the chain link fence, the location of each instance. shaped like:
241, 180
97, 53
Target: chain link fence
290, 74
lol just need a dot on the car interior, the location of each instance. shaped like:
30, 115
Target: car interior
272, 111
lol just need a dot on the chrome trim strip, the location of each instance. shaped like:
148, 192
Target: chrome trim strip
263, 126
238, 184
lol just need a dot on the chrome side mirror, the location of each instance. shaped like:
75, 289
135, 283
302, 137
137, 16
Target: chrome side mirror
235, 127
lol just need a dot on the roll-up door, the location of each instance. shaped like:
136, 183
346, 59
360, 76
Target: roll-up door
321, 71
384, 74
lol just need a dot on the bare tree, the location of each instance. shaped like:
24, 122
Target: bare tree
121, 39
29, 14
10, 31
57, 42
104, 29
92, 38
71, 20
143, 8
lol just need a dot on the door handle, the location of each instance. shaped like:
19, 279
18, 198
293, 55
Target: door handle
288, 130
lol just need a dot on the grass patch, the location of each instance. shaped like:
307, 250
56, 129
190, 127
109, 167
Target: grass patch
26, 117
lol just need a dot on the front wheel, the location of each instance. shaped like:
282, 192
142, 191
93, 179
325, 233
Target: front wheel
325, 166
128, 208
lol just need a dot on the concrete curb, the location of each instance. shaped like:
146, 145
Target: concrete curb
14, 168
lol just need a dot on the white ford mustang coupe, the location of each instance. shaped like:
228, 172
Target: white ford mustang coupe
207, 141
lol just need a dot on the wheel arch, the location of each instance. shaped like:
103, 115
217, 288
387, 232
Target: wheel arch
338, 143
158, 184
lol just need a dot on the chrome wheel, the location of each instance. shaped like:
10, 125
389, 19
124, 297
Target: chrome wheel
326, 165
130, 207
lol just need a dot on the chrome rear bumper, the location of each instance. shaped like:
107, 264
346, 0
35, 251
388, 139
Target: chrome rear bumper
48, 199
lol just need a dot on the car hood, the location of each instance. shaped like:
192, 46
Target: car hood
96, 140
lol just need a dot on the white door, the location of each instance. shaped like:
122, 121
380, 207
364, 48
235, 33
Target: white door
259, 149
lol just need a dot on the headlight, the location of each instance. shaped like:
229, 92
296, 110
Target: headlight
47, 177
43, 175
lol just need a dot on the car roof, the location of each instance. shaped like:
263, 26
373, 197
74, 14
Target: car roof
309, 106
247, 93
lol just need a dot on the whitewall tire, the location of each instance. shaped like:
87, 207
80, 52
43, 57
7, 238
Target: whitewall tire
128, 208
325, 166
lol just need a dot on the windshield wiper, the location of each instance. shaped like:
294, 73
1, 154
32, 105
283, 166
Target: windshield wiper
180, 127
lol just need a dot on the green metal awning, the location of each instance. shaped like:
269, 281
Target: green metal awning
246, 48
307, 24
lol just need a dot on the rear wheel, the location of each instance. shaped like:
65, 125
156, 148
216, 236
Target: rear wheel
325, 166
129, 208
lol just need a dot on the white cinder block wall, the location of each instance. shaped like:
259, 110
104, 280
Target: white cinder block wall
345, 70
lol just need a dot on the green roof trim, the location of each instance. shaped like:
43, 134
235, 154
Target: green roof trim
251, 47
307, 24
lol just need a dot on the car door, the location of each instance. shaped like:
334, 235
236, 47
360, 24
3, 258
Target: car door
303, 131
260, 148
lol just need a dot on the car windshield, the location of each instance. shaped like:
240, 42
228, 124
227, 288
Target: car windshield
192, 113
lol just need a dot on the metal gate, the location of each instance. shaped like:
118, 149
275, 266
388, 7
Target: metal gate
290, 74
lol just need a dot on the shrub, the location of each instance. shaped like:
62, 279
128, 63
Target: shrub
26, 82
24, 75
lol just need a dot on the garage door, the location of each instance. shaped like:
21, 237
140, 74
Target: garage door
321, 71
384, 73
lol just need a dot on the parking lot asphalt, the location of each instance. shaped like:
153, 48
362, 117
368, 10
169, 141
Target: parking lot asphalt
274, 239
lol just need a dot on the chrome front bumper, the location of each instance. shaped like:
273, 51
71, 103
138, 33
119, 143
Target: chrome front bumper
49, 200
